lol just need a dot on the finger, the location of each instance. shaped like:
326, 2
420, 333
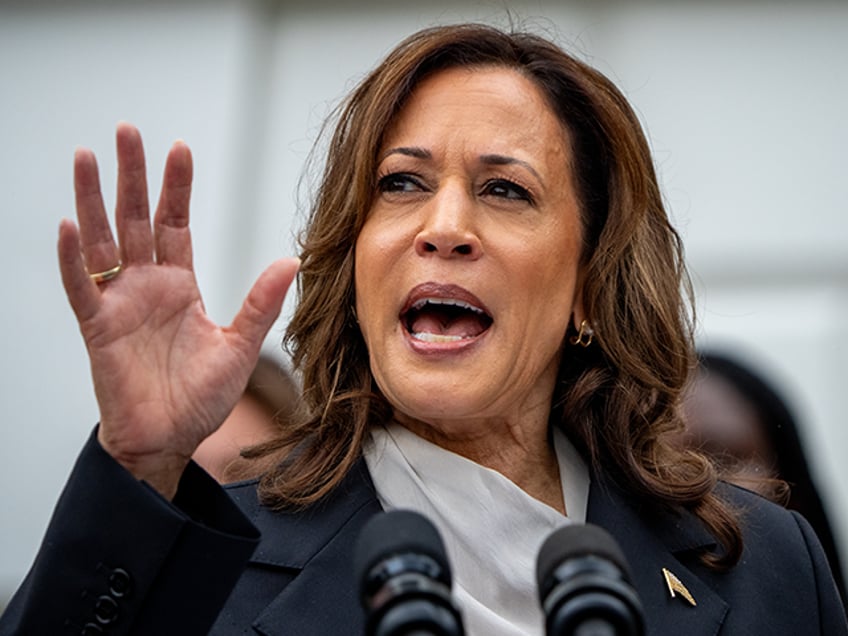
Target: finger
132, 211
171, 223
264, 301
81, 291
95, 235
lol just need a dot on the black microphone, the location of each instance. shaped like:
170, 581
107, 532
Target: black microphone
584, 585
405, 580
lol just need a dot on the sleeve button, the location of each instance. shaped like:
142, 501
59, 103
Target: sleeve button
105, 610
119, 583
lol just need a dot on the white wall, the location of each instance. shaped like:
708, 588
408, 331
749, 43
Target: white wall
744, 103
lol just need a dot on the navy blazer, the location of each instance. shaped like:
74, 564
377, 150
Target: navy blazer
119, 559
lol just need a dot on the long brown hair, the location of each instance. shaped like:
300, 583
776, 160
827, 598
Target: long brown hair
616, 399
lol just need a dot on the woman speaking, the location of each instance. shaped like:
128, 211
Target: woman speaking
492, 329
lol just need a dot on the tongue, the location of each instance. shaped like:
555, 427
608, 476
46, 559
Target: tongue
465, 325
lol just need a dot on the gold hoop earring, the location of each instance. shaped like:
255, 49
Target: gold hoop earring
584, 335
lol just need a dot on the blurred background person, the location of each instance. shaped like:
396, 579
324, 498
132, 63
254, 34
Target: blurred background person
270, 399
736, 416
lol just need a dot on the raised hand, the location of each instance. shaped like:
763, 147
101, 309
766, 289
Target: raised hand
165, 376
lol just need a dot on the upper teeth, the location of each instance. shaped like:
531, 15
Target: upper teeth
447, 301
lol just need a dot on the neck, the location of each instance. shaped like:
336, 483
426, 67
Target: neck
524, 455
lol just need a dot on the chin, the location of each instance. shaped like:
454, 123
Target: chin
433, 401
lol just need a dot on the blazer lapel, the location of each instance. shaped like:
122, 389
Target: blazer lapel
319, 543
322, 598
653, 541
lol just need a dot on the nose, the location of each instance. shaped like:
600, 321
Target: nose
449, 227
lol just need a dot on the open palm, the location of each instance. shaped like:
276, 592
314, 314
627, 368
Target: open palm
165, 376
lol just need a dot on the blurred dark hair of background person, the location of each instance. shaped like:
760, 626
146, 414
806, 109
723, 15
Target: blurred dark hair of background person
737, 417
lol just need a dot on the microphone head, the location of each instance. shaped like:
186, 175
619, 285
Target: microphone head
583, 581
404, 577
574, 541
396, 533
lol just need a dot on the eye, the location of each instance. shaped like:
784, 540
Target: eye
399, 182
505, 189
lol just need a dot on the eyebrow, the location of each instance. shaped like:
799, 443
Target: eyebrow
504, 160
490, 159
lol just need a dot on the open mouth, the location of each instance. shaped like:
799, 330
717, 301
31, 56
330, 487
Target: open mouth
445, 320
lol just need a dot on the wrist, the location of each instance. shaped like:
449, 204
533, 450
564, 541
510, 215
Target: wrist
161, 470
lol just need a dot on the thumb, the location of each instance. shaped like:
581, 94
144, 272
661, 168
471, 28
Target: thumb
264, 301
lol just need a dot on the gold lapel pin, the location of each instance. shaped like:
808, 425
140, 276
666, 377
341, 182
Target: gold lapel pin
675, 587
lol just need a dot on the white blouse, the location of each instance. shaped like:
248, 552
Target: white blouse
491, 528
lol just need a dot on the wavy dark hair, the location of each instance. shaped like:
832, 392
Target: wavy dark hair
618, 398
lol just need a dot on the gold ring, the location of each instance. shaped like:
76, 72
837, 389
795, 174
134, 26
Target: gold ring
109, 274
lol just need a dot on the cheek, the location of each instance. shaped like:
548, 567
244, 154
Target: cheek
361, 284
376, 244
553, 292
372, 268
551, 272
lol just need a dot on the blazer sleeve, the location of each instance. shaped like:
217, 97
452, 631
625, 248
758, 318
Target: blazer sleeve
831, 610
118, 558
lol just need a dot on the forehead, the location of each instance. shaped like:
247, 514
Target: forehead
495, 106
